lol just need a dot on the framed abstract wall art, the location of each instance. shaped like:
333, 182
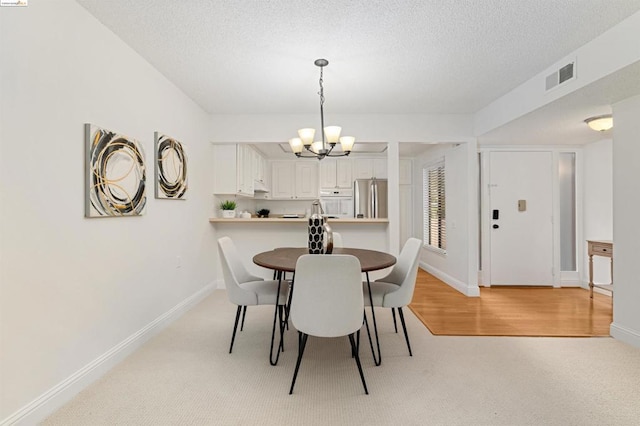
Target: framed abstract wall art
115, 174
170, 168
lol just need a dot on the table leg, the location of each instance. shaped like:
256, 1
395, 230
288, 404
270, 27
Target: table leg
377, 359
591, 276
277, 312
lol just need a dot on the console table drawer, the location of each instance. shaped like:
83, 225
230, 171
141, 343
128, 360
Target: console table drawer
601, 249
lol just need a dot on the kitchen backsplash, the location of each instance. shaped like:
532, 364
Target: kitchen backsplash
276, 207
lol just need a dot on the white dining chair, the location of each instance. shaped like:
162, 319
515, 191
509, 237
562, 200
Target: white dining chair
244, 289
327, 301
396, 289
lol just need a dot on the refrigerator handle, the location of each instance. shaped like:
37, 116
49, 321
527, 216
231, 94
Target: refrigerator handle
374, 198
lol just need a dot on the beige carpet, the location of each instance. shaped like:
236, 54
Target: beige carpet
184, 376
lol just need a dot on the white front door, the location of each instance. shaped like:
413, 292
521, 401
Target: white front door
521, 227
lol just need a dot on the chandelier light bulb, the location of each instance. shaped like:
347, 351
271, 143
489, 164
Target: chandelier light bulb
306, 135
332, 133
347, 143
296, 145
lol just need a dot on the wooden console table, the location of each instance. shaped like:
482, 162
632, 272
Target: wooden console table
602, 248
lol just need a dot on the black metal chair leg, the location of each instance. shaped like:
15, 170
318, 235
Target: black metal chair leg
395, 324
302, 342
288, 305
404, 328
244, 312
235, 327
357, 346
354, 349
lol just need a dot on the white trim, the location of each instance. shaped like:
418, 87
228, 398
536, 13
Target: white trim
38, 409
467, 290
626, 335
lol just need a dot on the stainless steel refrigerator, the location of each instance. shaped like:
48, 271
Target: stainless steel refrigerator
370, 198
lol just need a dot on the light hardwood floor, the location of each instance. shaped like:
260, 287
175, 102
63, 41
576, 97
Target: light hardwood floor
510, 311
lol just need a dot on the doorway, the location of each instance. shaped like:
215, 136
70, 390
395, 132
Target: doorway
520, 217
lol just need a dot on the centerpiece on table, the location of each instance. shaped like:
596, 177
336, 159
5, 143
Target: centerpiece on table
320, 234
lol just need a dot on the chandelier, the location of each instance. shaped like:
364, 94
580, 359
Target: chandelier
330, 134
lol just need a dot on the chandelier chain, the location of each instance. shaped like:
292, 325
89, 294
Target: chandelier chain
321, 93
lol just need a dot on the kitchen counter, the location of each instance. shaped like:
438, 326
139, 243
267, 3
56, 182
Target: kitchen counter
295, 220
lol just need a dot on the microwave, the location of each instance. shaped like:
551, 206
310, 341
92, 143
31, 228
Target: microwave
337, 202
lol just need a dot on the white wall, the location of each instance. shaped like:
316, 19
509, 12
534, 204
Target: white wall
597, 205
626, 233
72, 289
458, 267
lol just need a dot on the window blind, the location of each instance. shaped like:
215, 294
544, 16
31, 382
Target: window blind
434, 213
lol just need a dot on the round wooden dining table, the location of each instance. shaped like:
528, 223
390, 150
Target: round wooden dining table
284, 259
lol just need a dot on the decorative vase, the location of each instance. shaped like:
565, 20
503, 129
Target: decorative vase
320, 235
228, 214
316, 234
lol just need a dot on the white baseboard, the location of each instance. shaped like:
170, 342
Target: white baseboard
624, 334
38, 409
464, 288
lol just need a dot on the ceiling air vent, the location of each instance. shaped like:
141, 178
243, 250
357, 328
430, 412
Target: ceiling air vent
564, 74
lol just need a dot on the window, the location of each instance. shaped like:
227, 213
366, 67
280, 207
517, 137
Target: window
434, 213
567, 183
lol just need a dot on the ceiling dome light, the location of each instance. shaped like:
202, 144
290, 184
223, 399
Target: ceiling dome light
600, 123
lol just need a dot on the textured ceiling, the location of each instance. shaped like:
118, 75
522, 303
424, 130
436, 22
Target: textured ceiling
393, 56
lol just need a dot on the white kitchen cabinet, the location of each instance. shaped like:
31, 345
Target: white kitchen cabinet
245, 169
294, 180
260, 168
366, 168
335, 174
306, 185
233, 169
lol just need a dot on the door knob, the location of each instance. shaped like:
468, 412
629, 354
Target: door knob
495, 226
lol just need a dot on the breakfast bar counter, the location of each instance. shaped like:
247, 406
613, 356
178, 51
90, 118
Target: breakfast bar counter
255, 235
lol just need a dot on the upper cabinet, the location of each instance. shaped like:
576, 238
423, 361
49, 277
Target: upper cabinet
260, 168
237, 166
335, 173
366, 168
294, 180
